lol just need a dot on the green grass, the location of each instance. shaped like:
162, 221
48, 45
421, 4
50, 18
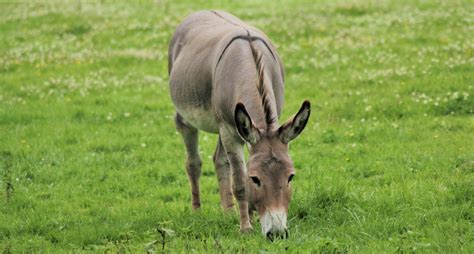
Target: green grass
91, 162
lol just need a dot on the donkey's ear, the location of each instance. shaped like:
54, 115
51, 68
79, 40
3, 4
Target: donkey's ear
244, 124
293, 127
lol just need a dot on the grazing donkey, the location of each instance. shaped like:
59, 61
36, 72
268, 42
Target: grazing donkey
227, 78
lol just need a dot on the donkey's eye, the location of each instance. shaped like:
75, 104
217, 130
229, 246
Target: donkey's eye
291, 177
255, 180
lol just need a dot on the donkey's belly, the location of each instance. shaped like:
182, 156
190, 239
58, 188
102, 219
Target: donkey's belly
200, 118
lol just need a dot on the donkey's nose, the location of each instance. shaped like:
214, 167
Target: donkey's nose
277, 235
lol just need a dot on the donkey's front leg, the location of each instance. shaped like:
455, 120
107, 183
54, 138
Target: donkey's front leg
193, 160
235, 154
224, 174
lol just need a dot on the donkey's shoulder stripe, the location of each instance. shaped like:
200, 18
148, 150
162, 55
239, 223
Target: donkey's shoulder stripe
244, 37
252, 38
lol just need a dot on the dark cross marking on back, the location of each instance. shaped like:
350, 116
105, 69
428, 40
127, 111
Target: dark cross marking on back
270, 118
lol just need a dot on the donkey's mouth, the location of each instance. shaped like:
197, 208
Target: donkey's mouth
278, 235
274, 224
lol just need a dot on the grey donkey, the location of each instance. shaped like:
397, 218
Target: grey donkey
226, 78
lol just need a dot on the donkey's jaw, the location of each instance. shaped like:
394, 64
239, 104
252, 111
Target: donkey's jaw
274, 222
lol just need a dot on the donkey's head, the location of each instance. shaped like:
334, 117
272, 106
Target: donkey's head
270, 168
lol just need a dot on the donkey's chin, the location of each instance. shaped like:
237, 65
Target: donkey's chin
274, 224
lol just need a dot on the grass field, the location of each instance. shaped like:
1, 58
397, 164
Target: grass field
90, 159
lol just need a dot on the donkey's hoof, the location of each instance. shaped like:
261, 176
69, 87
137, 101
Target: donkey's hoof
246, 229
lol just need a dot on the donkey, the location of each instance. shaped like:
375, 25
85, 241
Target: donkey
227, 78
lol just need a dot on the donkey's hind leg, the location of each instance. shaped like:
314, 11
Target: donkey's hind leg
223, 176
193, 160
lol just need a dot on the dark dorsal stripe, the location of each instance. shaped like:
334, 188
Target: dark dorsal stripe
247, 38
224, 18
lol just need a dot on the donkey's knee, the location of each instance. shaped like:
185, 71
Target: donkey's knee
238, 186
193, 166
239, 193
220, 161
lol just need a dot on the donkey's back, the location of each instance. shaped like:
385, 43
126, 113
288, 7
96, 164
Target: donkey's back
195, 49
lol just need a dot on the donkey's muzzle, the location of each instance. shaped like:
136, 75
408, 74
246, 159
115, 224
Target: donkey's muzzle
274, 224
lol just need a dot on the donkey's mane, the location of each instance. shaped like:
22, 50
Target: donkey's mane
270, 118
262, 90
